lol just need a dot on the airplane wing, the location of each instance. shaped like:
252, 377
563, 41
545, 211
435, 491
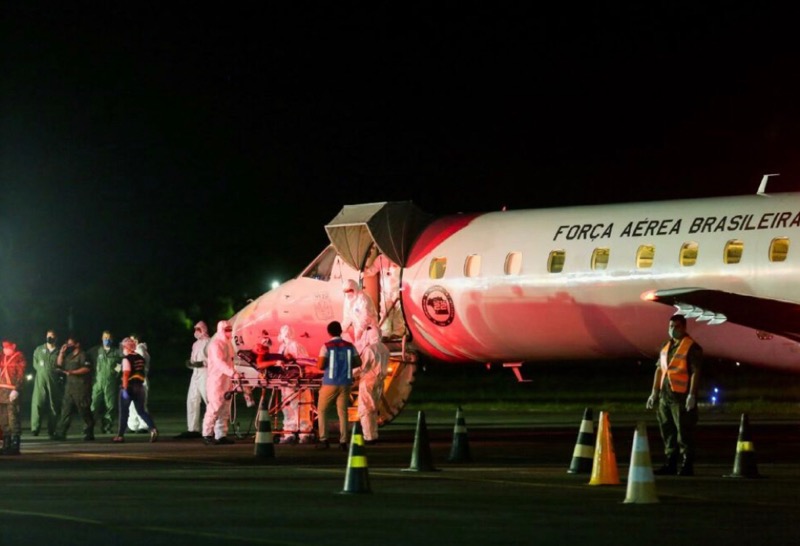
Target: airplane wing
715, 306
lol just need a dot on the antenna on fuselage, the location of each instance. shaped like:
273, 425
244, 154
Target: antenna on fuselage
762, 188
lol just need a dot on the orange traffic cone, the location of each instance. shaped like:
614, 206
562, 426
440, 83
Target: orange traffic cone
459, 452
744, 466
264, 445
641, 481
421, 459
604, 470
583, 454
357, 478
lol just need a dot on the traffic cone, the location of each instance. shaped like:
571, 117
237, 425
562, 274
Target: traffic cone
264, 446
459, 452
583, 453
641, 481
357, 478
421, 459
744, 466
604, 469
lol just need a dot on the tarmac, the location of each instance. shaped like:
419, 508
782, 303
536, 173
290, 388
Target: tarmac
514, 488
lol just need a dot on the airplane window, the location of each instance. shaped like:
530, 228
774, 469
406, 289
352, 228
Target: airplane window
513, 265
437, 268
321, 268
644, 256
779, 249
472, 267
555, 262
733, 251
688, 256
600, 258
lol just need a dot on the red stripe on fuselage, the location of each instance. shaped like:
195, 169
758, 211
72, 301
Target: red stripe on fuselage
437, 232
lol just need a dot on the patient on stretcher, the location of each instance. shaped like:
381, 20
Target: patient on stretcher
277, 366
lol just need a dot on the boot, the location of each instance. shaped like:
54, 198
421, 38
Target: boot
687, 467
14, 447
670, 468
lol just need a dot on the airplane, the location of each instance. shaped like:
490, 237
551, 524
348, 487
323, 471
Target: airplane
589, 282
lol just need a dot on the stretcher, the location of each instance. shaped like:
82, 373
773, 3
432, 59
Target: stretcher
274, 374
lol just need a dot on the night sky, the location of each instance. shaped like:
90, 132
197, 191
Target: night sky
191, 155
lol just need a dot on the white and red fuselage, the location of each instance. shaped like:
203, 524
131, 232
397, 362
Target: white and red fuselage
587, 282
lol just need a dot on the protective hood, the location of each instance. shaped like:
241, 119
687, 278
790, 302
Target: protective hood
350, 284
286, 334
222, 326
203, 328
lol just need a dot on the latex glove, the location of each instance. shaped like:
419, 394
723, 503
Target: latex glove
651, 401
13, 395
124, 394
691, 402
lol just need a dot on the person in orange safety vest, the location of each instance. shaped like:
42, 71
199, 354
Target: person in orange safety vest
675, 385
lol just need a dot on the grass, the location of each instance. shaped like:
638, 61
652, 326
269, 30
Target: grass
614, 385
554, 386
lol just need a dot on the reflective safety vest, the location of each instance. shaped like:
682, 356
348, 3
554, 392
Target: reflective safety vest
339, 362
138, 365
677, 368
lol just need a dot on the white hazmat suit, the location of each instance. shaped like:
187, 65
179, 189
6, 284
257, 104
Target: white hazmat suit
218, 382
297, 419
391, 316
359, 312
374, 369
197, 384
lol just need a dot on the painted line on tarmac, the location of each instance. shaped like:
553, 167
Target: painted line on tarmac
451, 477
224, 538
47, 515
135, 457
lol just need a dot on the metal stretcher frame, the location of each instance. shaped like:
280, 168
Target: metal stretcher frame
274, 375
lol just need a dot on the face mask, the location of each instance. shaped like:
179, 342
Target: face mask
106, 343
51, 340
8, 352
198, 335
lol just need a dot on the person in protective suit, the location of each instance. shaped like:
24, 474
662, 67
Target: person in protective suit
374, 368
132, 391
196, 396
218, 382
359, 311
391, 315
297, 420
48, 386
72, 361
12, 375
107, 361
